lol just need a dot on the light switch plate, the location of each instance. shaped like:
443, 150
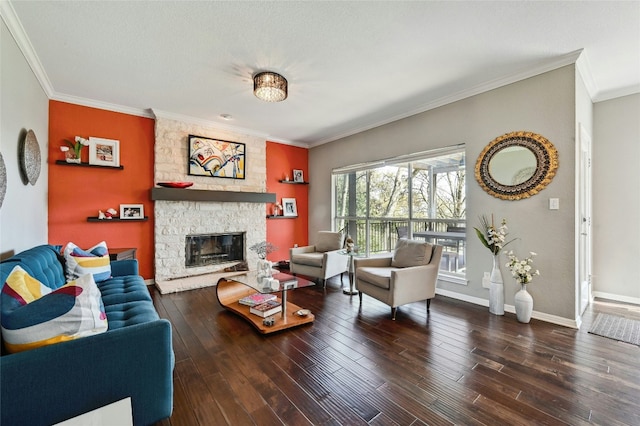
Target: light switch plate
554, 203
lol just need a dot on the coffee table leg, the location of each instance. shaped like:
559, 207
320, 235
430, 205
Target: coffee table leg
284, 303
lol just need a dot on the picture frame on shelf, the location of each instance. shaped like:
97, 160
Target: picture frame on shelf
131, 211
104, 152
289, 207
298, 175
216, 158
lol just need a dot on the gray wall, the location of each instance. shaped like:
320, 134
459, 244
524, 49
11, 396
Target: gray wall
545, 104
23, 106
616, 198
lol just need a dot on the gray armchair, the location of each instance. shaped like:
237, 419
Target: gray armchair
409, 274
320, 260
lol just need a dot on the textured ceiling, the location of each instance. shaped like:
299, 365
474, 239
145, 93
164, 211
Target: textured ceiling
351, 66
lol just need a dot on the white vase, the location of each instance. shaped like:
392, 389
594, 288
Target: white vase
524, 304
496, 288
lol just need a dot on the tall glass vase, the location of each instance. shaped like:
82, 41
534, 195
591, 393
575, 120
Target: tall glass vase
496, 288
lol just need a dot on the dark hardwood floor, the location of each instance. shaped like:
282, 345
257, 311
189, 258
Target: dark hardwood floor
355, 366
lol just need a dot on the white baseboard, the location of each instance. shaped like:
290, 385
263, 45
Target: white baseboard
553, 319
616, 297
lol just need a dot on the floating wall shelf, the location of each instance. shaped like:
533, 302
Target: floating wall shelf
280, 217
176, 194
294, 182
64, 163
115, 219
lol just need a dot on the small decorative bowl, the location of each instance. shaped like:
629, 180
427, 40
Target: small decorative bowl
303, 312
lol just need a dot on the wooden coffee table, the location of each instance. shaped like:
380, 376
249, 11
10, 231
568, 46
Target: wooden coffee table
231, 289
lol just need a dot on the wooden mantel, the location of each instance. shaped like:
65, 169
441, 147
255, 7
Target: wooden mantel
186, 194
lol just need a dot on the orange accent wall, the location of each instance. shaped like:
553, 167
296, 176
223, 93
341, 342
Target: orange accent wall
284, 233
76, 193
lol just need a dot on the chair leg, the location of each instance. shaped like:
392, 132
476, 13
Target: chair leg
360, 296
428, 305
393, 313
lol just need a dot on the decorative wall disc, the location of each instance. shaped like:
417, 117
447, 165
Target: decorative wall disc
30, 161
3, 180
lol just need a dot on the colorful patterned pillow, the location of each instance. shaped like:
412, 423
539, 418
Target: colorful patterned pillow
32, 318
93, 261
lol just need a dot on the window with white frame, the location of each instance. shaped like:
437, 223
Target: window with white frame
420, 196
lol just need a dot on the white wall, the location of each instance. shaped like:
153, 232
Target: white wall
23, 106
544, 104
616, 198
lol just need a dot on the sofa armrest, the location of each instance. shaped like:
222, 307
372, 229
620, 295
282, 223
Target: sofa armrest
54, 383
120, 268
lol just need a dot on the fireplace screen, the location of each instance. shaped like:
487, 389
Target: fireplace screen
211, 249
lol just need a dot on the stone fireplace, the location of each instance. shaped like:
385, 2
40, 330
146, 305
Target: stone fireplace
213, 249
176, 219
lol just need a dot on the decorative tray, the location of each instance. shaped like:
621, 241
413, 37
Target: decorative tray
175, 184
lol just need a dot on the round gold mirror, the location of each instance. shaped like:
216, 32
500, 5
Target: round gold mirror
516, 165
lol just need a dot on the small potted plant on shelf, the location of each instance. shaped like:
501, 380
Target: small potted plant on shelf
73, 150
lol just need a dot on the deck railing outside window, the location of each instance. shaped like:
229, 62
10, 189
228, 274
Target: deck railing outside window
419, 196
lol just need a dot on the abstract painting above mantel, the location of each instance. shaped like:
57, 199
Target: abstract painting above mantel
216, 158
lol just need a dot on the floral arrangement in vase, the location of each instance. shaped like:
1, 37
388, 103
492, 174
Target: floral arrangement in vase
262, 249
495, 239
522, 270
492, 237
73, 150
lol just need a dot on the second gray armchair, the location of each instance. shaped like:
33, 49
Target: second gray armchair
409, 274
320, 260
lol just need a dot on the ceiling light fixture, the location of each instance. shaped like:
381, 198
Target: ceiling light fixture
270, 87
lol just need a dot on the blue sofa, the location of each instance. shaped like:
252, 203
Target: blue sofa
133, 358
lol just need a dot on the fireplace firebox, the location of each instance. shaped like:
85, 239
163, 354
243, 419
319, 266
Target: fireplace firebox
211, 249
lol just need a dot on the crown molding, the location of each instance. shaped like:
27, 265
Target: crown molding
16, 29
550, 65
618, 93
101, 105
584, 69
224, 126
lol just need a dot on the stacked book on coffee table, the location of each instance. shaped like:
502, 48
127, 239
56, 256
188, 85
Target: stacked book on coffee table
266, 309
256, 299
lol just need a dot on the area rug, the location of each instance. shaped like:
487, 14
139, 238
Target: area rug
617, 328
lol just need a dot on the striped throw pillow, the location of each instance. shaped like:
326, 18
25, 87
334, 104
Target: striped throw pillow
93, 261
